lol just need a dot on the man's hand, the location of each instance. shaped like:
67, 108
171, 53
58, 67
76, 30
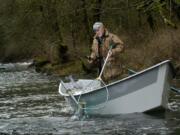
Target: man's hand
110, 53
90, 60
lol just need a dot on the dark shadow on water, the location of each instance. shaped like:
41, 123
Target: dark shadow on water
157, 113
152, 115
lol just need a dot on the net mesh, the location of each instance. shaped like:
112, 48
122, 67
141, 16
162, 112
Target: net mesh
81, 85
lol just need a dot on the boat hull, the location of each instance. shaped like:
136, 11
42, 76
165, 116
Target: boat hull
144, 91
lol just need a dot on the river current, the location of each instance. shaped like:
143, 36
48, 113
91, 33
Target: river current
30, 105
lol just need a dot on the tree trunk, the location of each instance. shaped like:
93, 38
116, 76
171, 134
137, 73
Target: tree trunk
85, 21
73, 32
58, 49
97, 11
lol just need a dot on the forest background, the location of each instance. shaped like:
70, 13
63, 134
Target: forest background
57, 34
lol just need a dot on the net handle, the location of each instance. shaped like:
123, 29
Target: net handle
99, 77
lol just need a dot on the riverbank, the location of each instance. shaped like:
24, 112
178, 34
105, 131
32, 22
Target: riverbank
56, 31
65, 69
141, 51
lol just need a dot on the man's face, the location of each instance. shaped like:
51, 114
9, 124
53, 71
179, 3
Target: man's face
100, 31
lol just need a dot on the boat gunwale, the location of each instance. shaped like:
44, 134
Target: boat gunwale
124, 79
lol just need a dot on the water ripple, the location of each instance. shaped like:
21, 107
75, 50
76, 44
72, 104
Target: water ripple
30, 105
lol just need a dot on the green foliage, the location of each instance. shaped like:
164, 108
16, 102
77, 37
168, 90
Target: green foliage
160, 7
177, 1
61, 30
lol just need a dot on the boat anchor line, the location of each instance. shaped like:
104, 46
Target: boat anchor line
107, 98
82, 105
177, 90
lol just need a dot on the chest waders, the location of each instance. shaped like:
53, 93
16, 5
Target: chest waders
100, 59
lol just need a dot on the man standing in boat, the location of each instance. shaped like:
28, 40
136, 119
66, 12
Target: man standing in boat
104, 41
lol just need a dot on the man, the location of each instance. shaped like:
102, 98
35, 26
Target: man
102, 42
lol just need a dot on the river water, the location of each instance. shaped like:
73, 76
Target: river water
30, 105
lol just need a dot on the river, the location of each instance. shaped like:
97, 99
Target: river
30, 105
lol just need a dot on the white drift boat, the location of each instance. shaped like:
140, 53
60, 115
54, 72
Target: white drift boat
143, 91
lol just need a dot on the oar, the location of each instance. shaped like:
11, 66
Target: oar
99, 77
175, 90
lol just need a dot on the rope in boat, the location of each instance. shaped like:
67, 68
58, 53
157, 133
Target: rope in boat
78, 102
94, 108
99, 78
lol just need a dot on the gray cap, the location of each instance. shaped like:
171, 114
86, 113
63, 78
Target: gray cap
97, 25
